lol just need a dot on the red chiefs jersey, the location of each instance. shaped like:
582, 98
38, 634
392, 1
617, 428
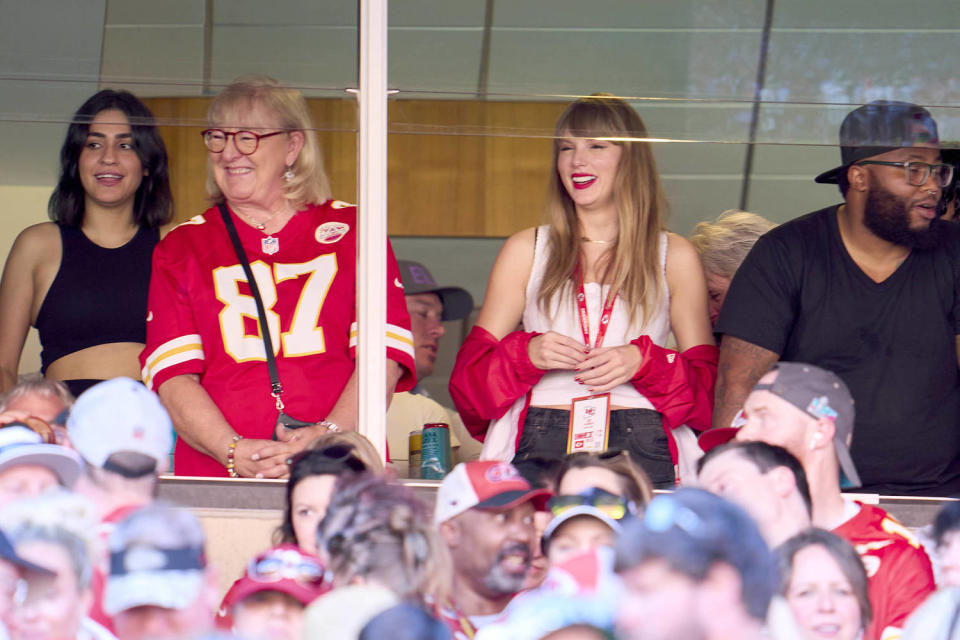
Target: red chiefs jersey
202, 319
898, 568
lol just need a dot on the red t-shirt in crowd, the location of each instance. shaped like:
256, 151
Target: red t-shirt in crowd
899, 570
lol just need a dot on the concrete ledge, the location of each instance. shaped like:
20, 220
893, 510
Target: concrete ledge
242, 493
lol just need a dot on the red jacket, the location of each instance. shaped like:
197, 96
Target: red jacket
490, 375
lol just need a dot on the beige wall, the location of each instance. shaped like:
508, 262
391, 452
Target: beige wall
22, 207
234, 536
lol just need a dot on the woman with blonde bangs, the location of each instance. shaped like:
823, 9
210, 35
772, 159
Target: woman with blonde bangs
286, 107
240, 409
597, 291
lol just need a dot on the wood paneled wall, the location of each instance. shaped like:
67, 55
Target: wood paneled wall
456, 168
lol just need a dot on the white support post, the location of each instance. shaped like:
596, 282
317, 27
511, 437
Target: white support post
372, 222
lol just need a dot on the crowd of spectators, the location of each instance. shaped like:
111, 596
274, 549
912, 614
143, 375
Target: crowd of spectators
765, 545
837, 369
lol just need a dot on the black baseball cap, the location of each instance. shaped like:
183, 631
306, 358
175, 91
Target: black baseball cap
7, 553
416, 278
878, 127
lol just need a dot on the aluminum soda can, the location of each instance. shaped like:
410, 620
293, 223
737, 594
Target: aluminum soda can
414, 457
436, 457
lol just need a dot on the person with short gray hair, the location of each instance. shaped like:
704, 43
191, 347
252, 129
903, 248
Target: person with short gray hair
38, 398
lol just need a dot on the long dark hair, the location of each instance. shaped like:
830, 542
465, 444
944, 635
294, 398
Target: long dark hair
153, 205
335, 460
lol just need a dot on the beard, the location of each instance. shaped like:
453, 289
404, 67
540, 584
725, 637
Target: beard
500, 579
888, 217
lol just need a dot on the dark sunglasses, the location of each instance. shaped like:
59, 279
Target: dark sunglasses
339, 454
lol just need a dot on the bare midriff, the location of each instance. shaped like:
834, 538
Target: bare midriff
100, 362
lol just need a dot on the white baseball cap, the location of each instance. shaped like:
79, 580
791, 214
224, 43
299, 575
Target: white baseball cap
20, 445
120, 415
484, 484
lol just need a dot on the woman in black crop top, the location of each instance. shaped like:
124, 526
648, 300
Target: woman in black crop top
82, 279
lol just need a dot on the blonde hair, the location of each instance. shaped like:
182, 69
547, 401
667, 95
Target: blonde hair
287, 107
725, 242
632, 269
362, 447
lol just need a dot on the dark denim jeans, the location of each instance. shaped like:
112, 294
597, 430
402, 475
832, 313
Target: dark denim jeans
639, 431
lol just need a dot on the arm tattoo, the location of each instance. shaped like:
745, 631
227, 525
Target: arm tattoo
741, 364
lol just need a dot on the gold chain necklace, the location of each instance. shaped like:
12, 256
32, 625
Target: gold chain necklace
586, 239
261, 225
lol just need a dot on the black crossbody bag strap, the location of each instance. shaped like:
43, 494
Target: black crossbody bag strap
275, 385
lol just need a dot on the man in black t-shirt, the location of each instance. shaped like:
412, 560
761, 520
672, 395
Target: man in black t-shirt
867, 289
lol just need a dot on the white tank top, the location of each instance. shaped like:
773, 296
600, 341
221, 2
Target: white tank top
557, 388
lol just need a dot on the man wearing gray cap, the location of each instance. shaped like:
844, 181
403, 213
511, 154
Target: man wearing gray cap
869, 289
809, 412
429, 306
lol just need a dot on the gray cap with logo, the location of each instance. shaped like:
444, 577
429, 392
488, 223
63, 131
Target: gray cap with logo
457, 302
820, 394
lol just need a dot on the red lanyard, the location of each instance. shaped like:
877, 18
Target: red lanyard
585, 319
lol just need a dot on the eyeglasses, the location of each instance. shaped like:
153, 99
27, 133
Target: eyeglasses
286, 564
607, 503
246, 142
917, 173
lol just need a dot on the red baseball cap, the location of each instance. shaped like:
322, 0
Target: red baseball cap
485, 484
284, 568
716, 437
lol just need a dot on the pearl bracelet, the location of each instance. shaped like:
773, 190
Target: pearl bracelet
231, 456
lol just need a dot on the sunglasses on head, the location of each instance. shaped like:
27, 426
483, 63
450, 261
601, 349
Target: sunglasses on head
609, 504
345, 454
286, 564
